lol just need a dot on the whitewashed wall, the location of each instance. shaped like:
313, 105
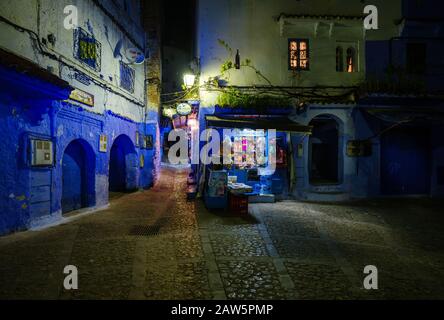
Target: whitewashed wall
252, 27
46, 17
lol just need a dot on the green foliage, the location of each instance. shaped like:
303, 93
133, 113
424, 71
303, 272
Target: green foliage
233, 98
226, 46
227, 65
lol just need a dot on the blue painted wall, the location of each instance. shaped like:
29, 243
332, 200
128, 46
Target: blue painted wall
30, 196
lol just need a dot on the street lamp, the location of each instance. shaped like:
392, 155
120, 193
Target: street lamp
189, 80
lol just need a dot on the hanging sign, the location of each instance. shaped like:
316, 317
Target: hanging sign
149, 142
134, 56
359, 148
184, 109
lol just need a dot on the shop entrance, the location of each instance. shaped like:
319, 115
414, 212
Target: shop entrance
78, 183
123, 166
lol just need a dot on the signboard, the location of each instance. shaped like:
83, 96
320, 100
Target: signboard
142, 161
149, 142
103, 146
143, 141
137, 139
359, 148
82, 97
184, 109
134, 56
87, 49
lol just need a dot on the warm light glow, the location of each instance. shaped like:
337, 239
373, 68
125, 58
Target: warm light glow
350, 60
193, 124
298, 55
189, 80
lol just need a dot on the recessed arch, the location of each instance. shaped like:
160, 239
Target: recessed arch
123, 165
325, 156
78, 176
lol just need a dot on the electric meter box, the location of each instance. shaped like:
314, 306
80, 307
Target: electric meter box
42, 153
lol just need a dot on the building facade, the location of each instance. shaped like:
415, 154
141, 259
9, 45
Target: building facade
75, 122
402, 110
313, 62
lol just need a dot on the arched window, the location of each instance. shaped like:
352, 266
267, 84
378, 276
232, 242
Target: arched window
339, 59
351, 60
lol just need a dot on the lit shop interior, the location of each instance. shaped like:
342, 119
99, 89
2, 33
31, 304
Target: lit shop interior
247, 175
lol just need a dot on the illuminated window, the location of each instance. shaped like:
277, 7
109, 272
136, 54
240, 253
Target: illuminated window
351, 60
339, 59
298, 54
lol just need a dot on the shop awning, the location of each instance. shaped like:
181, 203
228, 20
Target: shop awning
257, 122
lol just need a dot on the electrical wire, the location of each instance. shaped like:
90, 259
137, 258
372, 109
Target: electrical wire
34, 36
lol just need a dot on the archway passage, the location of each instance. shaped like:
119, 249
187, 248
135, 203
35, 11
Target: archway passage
123, 165
78, 172
324, 151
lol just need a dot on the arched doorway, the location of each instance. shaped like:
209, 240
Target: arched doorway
123, 165
78, 176
324, 158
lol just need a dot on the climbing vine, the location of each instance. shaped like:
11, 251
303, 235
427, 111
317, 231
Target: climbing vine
258, 96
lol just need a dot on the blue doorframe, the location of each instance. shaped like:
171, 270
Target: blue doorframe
78, 172
123, 165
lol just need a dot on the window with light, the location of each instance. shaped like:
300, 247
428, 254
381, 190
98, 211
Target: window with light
298, 54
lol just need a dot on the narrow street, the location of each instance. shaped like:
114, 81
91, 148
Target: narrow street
157, 245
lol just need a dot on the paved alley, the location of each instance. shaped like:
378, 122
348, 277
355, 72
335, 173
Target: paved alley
157, 245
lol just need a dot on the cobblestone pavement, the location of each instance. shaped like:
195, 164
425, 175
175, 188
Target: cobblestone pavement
157, 245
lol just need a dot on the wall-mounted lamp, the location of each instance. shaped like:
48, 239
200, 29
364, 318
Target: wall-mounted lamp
189, 80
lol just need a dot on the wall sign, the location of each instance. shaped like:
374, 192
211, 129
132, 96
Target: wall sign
103, 147
184, 109
143, 141
149, 142
137, 139
359, 148
142, 161
82, 78
82, 97
87, 49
